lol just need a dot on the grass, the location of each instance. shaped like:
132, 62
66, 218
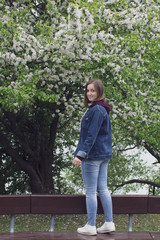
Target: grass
67, 223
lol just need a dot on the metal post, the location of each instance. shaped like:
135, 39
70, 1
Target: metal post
12, 224
130, 222
52, 224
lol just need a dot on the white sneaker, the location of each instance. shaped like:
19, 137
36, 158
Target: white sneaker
87, 230
106, 228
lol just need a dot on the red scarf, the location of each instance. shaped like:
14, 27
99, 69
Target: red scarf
102, 103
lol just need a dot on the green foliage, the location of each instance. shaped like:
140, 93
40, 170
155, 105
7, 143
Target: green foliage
123, 168
12, 178
48, 50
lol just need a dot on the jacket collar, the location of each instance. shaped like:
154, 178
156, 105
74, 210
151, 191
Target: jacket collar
102, 103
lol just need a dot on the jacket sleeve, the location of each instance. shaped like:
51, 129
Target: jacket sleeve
92, 132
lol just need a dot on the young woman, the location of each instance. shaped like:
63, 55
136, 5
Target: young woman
93, 153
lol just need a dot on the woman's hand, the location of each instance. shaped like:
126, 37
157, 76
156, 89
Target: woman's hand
76, 162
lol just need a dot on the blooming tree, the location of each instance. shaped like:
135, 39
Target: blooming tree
48, 50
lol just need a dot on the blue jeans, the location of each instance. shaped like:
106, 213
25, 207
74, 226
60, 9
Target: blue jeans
94, 175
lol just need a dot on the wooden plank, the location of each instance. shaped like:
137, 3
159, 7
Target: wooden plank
154, 204
75, 204
14, 204
76, 236
130, 204
58, 204
155, 235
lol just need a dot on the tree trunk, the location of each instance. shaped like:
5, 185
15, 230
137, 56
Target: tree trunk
32, 151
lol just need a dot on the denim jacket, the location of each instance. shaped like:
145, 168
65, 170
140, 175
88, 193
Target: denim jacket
95, 141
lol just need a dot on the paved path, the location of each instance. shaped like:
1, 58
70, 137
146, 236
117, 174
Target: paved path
76, 236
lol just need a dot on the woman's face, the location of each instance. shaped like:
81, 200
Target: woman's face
91, 93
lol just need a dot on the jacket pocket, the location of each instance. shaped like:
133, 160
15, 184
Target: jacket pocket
85, 122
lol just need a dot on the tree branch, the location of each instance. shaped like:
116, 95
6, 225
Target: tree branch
126, 149
13, 153
12, 126
138, 181
155, 153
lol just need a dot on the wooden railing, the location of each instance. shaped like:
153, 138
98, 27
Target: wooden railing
74, 204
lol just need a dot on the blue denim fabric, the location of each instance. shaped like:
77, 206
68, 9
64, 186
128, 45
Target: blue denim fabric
95, 141
94, 175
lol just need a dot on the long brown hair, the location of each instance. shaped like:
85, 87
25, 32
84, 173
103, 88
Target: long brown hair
99, 89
